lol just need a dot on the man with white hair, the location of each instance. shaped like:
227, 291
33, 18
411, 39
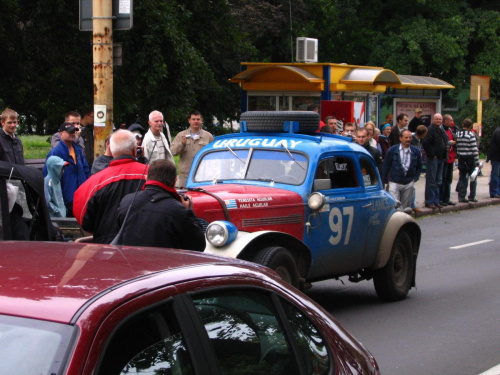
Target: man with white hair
96, 201
155, 143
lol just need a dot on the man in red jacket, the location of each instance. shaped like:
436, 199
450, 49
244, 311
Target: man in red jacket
96, 201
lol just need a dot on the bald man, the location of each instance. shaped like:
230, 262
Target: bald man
96, 201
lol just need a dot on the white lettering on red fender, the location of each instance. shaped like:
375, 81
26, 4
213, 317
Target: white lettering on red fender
248, 202
254, 142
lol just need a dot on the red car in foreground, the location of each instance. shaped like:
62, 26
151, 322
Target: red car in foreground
96, 309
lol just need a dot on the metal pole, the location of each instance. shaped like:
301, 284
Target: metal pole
479, 106
102, 44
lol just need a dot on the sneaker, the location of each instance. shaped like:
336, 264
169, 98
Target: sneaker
494, 196
417, 210
433, 206
474, 200
450, 203
463, 200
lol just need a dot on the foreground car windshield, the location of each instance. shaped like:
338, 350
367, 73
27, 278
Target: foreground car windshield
32, 346
280, 166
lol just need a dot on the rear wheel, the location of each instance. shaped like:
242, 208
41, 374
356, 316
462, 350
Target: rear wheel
393, 281
280, 260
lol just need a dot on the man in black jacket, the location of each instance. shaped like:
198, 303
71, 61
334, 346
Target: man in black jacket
11, 147
158, 215
494, 156
401, 124
363, 140
435, 145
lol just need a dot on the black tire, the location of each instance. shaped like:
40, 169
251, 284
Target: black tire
393, 281
268, 121
280, 260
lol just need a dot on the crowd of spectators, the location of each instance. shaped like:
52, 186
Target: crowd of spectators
92, 190
406, 149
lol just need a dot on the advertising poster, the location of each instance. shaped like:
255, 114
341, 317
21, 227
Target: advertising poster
359, 114
428, 110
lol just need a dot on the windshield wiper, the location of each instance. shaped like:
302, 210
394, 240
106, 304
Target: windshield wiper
236, 156
291, 156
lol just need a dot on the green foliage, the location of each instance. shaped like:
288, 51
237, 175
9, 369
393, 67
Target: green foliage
491, 119
180, 55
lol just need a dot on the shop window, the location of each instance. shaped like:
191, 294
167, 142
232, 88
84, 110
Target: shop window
262, 103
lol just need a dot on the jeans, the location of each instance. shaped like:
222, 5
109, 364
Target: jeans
433, 180
445, 189
495, 178
466, 166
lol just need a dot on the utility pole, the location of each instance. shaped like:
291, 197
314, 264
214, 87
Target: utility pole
102, 44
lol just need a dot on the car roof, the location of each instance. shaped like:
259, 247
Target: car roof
311, 144
56, 281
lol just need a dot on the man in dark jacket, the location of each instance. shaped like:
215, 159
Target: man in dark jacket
494, 156
363, 140
11, 147
158, 215
77, 171
435, 145
402, 168
98, 198
88, 133
401, 124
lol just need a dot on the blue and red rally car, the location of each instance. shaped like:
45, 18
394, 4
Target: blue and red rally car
309, 205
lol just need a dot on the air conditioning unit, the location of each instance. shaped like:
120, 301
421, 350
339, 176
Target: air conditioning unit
307, 50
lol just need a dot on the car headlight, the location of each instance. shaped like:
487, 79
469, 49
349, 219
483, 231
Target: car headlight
316, 201
220, 233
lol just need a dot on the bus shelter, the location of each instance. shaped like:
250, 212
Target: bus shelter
375, 91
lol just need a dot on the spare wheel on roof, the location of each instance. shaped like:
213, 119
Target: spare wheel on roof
268, 121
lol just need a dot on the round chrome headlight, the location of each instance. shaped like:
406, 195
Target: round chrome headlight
316, 201
220, 233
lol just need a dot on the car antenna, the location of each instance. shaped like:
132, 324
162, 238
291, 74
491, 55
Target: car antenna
118, 240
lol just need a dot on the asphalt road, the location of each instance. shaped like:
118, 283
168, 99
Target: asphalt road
451, 323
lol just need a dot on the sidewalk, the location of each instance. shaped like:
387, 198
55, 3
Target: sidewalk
482, 194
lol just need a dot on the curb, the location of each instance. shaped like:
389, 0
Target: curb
459, 207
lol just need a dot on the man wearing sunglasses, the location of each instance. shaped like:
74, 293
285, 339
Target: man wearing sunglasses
74, 118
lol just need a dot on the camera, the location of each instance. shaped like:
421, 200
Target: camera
187, 136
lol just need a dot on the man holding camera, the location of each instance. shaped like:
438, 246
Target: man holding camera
96, 201
188, 142
74, 118
159, 211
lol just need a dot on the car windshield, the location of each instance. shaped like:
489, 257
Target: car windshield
281, 166
32, 346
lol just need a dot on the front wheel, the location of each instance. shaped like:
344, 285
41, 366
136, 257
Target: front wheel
393, 281
280, 260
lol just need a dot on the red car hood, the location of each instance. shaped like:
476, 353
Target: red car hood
251, 208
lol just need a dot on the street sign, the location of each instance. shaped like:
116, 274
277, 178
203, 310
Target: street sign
477, 82
122, 15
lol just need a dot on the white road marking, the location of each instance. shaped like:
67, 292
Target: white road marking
492, 371
471, 244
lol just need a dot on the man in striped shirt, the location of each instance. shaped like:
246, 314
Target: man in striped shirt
468, 160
